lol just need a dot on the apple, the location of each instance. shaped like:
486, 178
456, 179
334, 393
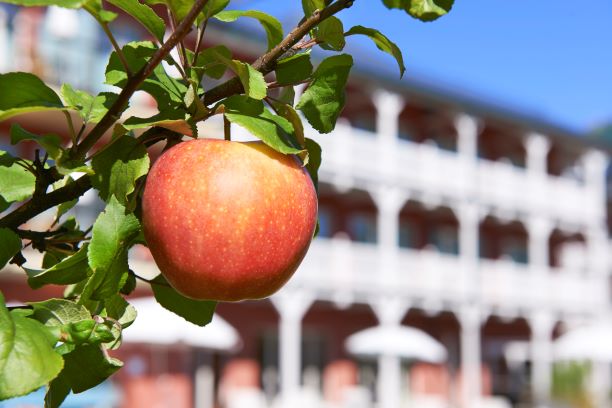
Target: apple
228, 221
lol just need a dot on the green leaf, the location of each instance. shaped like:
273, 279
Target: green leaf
42, 3
168, 92
96, 9
23, 92
57, 312
16, 183
145, 15
119, 309
294, 69
57, 392
170, 119
91, 109
252, 80
309, 6
273, 27
87, 331
324, 99
331, 34
27, 358
118, 167
287, 112
273, 130
50, 142
209, 64
10, 245
72, 269
211, 8
424, 10
88, 366
382, 42
314, 161
198, 312
112, 234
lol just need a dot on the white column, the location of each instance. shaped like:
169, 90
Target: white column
470, 319
389, 311
537, 147
389, 202
291, 305
539, 229
542, 324
468, 215
467, 135
388, 108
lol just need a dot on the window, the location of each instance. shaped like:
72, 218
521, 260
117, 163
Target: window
408, 235
444, 237
325, 222
362, 227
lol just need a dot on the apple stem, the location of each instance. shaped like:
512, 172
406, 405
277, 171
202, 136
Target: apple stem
227, 128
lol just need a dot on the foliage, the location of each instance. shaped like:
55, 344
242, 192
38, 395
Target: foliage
63, 343
569, 384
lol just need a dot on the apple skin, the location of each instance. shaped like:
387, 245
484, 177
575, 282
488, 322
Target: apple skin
228, 221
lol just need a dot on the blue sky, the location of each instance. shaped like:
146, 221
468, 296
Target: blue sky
549, 58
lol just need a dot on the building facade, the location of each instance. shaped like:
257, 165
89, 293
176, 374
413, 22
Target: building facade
483, 227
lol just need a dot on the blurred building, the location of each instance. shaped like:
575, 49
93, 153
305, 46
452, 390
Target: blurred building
482, 227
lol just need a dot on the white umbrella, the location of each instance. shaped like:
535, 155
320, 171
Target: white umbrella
156, 325
592, 342
395, 340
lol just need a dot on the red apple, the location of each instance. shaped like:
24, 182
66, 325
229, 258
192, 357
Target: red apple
228, 221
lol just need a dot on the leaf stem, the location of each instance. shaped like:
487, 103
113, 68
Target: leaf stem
73, 135
227, 129
118, 50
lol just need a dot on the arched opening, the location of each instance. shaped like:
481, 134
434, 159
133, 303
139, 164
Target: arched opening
506, 353
426, 124
503, 240
564, 160
359, 110
501, 143
352, 213
567, 250
421, 228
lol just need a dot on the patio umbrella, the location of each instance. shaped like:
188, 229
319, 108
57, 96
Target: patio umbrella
592, 342
395, 340
156, 325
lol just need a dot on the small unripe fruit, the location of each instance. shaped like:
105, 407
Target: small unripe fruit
228, 221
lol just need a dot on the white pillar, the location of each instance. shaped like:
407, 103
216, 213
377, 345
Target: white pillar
470, 319
542, 324
539, 229
388, 108
389, 202
467, 136
389, 311
291, 305
468, 215
537, 147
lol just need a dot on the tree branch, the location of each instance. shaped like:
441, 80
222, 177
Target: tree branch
267, 62
134, 82
45, 201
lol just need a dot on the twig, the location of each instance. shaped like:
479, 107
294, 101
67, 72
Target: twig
45, 201
112, 115
267, 62
73, 136
118, 50
274, 84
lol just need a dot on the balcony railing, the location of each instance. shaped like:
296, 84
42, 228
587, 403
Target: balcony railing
339, 268
354, 156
